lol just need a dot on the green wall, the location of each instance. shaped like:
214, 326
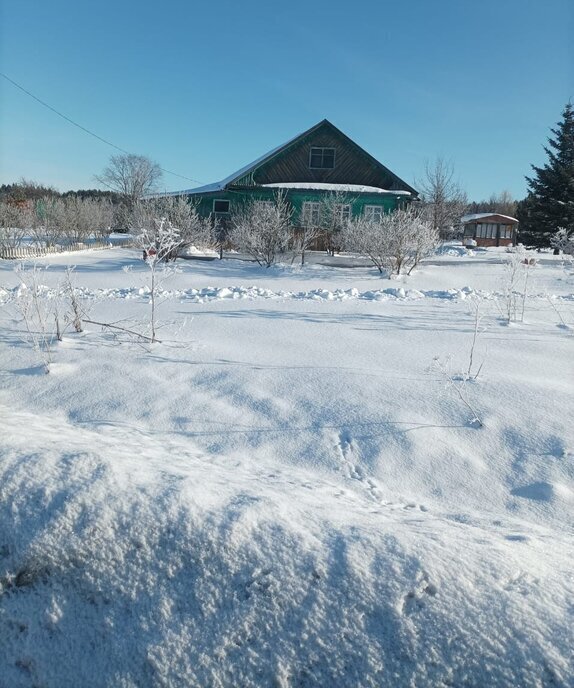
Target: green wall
296, 197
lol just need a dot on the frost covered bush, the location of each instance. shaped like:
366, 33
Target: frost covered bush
14, 220
396, 244
39, 313
563, 241
263, 229
84, 218
515, 284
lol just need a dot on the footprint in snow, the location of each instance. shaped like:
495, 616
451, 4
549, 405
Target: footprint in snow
416, 598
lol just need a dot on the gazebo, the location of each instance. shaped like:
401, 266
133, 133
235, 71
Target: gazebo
490, 229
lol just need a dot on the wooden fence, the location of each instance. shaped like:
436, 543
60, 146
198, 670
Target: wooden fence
25, 252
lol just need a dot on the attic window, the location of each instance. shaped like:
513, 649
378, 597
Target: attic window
322, 158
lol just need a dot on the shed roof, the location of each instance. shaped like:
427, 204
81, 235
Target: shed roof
484, 216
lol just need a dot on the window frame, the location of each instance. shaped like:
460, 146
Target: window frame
322, 166
370, 210
309, 209
221, 212
506, 231
343, 212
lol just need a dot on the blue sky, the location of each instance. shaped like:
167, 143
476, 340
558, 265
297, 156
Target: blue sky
204, 88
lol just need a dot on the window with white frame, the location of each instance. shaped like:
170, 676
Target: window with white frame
311, 215
342, 212
506, 231
321, 158
374, 213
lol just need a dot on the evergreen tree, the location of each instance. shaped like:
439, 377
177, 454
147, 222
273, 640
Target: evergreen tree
550, 201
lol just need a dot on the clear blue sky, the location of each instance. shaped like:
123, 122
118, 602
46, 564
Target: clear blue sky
205, 87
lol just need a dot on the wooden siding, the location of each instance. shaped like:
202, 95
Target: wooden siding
352, 165
296, 197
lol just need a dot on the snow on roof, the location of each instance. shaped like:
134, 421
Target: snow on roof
481, 216
219, 186
357, 188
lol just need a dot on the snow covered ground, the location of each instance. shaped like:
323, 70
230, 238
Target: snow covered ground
287, 491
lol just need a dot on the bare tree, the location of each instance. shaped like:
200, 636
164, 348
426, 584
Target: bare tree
133, 176
502, 203
396, 243
443, 200
263, 229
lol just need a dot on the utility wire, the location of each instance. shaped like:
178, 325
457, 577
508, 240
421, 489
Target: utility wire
91, 133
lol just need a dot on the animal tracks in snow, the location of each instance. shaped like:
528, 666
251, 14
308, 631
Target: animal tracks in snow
349, 455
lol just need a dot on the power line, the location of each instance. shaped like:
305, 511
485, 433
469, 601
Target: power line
91, 133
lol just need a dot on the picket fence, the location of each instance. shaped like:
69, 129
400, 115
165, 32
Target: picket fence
25, 252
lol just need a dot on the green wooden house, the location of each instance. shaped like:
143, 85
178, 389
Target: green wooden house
316, 163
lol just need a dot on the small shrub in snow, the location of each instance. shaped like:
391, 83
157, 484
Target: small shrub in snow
517, 270
456, 384
39, 314
471, 373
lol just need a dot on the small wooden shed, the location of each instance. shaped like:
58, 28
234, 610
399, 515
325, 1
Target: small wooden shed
490, 229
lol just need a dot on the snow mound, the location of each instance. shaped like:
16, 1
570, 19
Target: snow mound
189, 574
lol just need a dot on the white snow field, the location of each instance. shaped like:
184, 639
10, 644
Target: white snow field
286, 491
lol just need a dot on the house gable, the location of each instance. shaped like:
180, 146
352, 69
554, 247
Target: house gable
297, 161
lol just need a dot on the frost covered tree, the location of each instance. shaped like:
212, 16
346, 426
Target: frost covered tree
304, 237
82, 219
443, 200
369, 238
263, 229
335, 215
69, 219
193, 229
563, 241
132, 176
48, 221
396, 244
15, 220
550, 201
159, 241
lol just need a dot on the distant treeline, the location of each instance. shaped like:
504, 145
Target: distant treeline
25, 190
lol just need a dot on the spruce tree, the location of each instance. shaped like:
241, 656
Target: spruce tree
550, 201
